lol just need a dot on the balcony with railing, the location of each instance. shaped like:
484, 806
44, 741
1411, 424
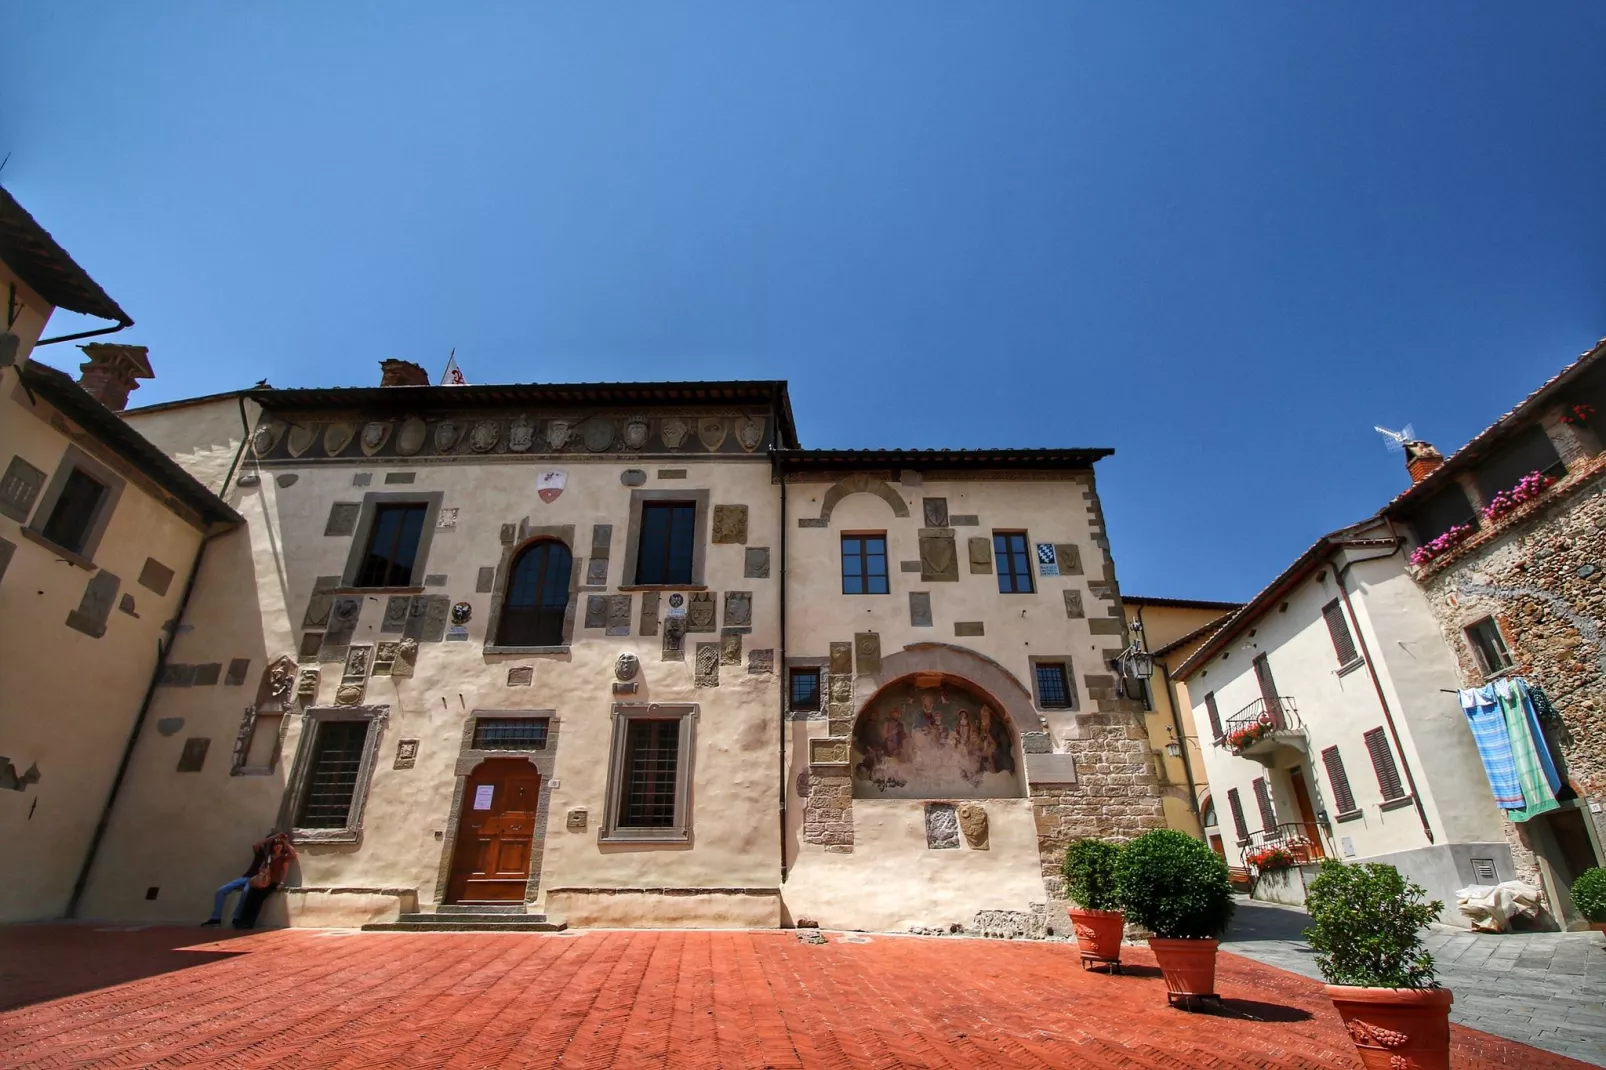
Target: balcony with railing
1264, 727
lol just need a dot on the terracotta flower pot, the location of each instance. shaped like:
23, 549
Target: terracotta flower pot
1189, 965
1098, 933
1394, 1027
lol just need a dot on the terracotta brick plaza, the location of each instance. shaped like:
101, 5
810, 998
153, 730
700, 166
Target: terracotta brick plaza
76, 995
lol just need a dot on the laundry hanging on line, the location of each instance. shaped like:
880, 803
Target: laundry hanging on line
1511, 744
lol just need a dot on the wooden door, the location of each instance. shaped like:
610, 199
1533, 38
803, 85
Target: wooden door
1268, 690
491, 863
1307, 814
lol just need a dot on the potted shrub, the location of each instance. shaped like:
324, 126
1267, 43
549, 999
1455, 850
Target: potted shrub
1090, 883
1177, 888
1366, 930
1589, 896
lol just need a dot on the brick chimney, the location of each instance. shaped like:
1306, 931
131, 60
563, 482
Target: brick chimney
1421, 460
110, 372
402, 373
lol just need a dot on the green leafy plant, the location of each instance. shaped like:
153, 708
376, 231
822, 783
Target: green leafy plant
1589, 894
1173, 885
1090, 874
1367, 926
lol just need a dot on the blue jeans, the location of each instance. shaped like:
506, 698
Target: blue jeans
238, 884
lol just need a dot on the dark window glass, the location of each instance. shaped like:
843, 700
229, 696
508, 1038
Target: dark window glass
1388, 775
392, 546
1442, 511
652, 753
1268, 816
1525, 452
1343, 797
664, 554
805, 689
1338, 629
1208, 816
537, 596
1053, 688
332, 779
1489, 646
1014, 562
864, 564
1215, 716
510, 733
74, 512
1237, 806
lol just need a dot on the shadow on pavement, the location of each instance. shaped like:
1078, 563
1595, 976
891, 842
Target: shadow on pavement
52, 961
1257, 921
1257, 1011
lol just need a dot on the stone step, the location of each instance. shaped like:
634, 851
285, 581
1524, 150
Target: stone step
471, 915
478, 908
429, 923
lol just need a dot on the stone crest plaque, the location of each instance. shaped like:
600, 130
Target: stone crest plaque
375, 434
483, 438
410, 437
462, 613
711, 432
337, 436
938, 558
447, 432
738, 609
626, 667
700, 612
636, 430
674, 639
936, 510
730, 524
707, 665
597, 433
730, 648
557, 435
521, 434
750, 432
266, 436
673, 432
301, 439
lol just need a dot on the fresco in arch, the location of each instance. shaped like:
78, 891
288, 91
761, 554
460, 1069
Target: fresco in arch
935, 742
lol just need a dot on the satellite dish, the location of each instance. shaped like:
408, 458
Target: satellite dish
1394, 441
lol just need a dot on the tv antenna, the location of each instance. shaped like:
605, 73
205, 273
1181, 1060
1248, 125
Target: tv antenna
1394, 441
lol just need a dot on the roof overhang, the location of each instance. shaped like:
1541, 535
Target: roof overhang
30, 251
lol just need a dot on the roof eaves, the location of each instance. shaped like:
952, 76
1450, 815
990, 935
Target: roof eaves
29, 250
1203, 629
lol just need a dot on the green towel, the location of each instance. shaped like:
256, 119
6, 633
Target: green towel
1530, 773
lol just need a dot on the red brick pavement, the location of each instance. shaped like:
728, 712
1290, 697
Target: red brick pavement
79, 996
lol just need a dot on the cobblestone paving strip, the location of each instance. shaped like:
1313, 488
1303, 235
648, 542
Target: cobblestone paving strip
74, 996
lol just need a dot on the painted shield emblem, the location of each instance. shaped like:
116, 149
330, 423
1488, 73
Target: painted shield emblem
338, 436
673, 432
550, 484
410, 438
374, 436
483, 438
750, 432
711, 432
301, 439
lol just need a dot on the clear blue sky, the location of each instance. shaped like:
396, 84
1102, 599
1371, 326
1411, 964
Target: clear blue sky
1223, 239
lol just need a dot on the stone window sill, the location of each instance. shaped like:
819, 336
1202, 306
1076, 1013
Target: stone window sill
326, 835
491, 649
1345, 670
60, 551
1395, 804
1347, 815
663, 587
644, 836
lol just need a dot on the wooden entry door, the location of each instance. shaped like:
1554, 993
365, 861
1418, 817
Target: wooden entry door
491, 863
1307, 814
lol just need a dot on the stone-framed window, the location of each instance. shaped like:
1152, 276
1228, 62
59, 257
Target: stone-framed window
333, 768
1013, 555
76, 507
864, 563
1053, 682
649, 774
1489, 646
641, 575
390, 546
803, 689
536, 601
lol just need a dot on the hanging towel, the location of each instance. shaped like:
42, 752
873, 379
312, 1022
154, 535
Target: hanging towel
1530, 706
1542, 704
1488, 726
1536, 789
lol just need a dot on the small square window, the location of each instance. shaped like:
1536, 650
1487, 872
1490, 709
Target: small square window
805, 690
1053, 686
864, 564
1489, 646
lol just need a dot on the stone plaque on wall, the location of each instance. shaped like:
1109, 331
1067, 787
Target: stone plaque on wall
597, 572
674, 639
155, 576
1070, 558
436, 610
619, 614
18, 489
841, 659
485, 582
596, 611
981, 554
828, 752
936, 510
756, 564
700, 612
649, 613
920, 609
207, 675
760, 661
973, 823
95, 607
939, 561
738, 609
730, 648
1073, 605
969, 628
239, 668
406, 753
521, 676
942, 826
395, 619
707, 665
730, 524
384, 658
343, 518
867, 653
406, 658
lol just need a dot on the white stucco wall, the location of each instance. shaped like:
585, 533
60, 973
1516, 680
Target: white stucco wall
204, 437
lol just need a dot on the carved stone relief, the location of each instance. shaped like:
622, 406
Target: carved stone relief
649, 613
981, 554
521, 676
557, 435
307, 687
395, 620
867, 653
756, 564
636, 430
406, 658
1073, 605
447, 432
920, 609
618, 614
410, 437
674, 639
384, 657
343, 518
942, 826
973, 823
939, 561
406, 753
750, 432
301, 439
484, 436
337, 436
266, 436
700, 612
1070, 558
596, 611
936, 510
760, 661
375, 434
597, 433
730, 524
841, 659
626, 666
707, 665
521, 434
738, 609
730, 648
673, 432
711, 432
318, 609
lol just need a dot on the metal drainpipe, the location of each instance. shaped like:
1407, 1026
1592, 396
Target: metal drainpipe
781, 660
1377, 685
245, 440
83, 334
139, 723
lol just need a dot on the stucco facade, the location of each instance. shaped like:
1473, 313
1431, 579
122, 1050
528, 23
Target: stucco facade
768, 827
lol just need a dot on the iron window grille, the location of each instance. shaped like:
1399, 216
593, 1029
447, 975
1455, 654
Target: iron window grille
650, 773
652, 751
392, 546
537, 596
805, 689
1053, 686
864, 564
668, 535
332, 778
1014, 562
1489, 646
510, 733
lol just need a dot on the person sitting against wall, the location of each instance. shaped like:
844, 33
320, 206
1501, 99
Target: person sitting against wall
270, 863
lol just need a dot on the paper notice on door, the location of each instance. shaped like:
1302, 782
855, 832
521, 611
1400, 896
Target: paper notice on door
482, 796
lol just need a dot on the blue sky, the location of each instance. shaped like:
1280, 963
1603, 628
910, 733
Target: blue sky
1224, 239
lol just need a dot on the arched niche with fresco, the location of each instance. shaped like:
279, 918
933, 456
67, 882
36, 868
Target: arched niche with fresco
930, 736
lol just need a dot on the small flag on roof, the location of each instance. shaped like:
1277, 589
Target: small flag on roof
453, 375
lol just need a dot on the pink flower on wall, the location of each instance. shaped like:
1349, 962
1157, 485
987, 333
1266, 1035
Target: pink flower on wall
1441, 545
1527, 489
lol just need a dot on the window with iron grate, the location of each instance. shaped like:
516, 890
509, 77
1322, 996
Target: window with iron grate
332, 778
510, 733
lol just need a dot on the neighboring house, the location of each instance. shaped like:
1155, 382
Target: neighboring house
99, 534
1335, 671
1173, 628
626, 654
1519, 589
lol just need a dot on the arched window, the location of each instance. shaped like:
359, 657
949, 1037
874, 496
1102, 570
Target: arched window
1208, 817
537, 596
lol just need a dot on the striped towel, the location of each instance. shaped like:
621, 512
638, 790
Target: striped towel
1534, 770
1488, 726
